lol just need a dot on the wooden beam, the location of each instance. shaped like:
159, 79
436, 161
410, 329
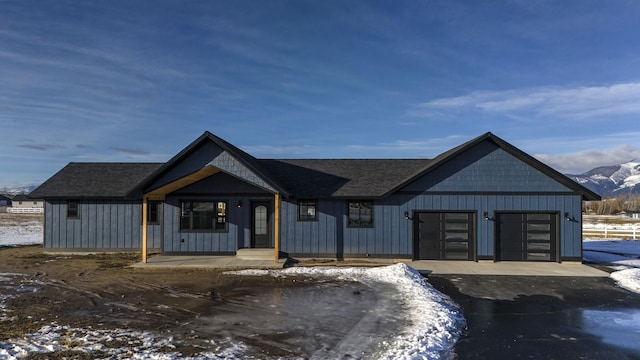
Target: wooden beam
145, 209
161, 192
276, 230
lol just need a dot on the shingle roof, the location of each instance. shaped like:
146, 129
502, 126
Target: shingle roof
249, 161
95, 180
342, 177
312, 178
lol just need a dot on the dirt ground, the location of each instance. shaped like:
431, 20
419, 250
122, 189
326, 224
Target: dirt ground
101, 291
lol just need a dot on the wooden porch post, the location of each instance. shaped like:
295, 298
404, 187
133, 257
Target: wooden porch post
144, 228
276, 230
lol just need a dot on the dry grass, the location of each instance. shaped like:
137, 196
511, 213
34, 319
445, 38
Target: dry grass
8, 219
608, 219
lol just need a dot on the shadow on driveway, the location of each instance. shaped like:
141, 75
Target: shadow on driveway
521, 317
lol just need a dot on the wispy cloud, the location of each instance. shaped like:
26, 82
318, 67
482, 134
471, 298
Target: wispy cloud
408, 148
568, 103
40, 147
130, 151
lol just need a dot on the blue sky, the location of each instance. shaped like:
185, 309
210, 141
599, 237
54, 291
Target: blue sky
139, 80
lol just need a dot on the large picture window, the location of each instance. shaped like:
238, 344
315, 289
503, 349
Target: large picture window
203, 216
360, 214
307, 210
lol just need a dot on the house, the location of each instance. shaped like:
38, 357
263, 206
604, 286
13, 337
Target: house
632, 214
5, 201
23, 203
483, 200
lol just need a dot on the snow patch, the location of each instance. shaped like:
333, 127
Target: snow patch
628, 279
140, 344
25, 234
436, 322
621, 255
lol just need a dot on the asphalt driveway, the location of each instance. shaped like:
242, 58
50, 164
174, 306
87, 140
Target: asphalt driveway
536, 317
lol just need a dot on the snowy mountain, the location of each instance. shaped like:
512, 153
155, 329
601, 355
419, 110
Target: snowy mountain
14, 190
615, 180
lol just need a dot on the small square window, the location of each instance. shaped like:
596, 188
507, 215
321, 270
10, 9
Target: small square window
360, 214
73, 210
307, 210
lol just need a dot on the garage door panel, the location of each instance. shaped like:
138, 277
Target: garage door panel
444, 236
526, 237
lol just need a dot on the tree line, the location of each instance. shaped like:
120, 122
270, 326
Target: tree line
612, 206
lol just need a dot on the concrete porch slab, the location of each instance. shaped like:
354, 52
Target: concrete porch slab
425, 266
206, 262
506, 268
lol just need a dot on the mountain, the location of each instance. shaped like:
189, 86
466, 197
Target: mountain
14, 190
615, 180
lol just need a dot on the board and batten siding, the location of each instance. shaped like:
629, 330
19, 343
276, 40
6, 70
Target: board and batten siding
238, 234
570, 232
102, 225
485, 178
392, 234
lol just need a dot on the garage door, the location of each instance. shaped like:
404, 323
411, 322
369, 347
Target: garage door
444, 236
526, 237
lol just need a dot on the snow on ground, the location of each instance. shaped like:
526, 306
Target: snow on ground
140, 344
436, 322
621, 255
25, 232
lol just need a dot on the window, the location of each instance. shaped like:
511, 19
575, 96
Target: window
360, 214
307, 210
153, 212
203, 216
73, 210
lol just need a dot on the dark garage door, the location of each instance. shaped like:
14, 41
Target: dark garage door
526, 236
444, 236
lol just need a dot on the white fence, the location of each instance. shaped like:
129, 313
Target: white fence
612, 232
13, 210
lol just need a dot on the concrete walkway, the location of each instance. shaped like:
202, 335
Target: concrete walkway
427, 266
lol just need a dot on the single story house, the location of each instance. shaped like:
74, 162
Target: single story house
482, 200
23, 203
5, 200
632, 214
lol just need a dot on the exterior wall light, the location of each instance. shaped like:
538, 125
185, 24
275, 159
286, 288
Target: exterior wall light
567, 217
406, 216
485, 216
239, 204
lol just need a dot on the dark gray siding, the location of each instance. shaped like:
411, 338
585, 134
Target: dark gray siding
569, 231
392, 234
219, 187
230, 165
102, 225
210, 154
200, 157
486, 168
319, 237
237, 236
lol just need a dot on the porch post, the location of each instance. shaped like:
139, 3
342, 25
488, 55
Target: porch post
144, 228
276, 230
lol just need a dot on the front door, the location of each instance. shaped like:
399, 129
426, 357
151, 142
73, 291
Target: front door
260, 224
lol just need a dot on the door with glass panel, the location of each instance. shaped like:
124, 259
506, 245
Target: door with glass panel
260, 224
526, 236
444, 236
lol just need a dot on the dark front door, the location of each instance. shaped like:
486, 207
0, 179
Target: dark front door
260, 224
444, 236
526, 237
